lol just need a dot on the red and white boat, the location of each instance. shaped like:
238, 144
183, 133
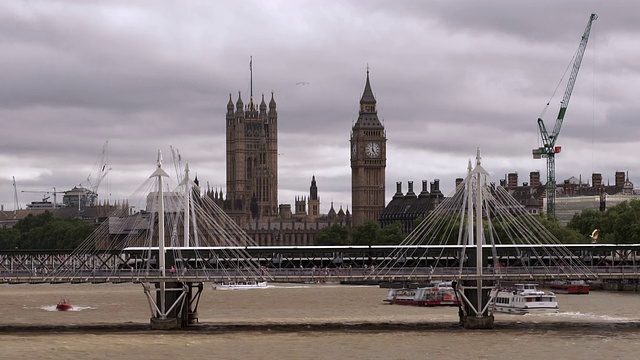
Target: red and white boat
570, 287
439, 294
64, 305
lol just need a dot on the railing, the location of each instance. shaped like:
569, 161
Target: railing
324, 275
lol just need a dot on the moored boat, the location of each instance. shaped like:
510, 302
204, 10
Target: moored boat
523, 299
438, 294
570, 287
64, 305
240, 285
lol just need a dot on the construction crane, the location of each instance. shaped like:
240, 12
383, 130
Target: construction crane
16, 204
549, 148
54, 193
98, 173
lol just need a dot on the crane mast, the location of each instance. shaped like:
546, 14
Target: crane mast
16, 204
95, 177
549, 149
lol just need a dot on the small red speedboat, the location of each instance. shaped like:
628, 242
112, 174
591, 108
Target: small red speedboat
64, 305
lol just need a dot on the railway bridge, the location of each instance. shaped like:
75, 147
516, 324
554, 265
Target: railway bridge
196, 268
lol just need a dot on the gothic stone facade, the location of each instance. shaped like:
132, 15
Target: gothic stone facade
252, 160
368, 161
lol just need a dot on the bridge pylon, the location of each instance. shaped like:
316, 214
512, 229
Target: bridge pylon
175, 303
475, 294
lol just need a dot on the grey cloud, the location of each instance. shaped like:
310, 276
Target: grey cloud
448, 77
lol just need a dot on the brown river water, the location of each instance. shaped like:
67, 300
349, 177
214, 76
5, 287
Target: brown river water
318, 321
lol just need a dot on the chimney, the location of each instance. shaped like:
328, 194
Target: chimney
424, 192
596, 180
459, 181
410, 193
512, 180
534, 179
435, 188
398, 194
620, 178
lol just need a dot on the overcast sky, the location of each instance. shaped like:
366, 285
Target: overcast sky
449, 76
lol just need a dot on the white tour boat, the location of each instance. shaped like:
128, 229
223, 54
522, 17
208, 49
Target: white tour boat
240, 285
523, 299
438, 294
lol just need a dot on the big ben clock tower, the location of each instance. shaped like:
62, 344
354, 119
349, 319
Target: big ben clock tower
368, 161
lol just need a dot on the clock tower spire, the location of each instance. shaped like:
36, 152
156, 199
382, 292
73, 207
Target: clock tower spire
368, 161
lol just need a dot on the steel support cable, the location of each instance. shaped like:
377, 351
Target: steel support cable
544, 108
423, 234
556, 251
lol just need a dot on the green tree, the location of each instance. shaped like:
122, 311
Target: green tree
335, 234
367, 234
564, 234
392, 234
447, 229
586, 221
620, 224
9, 238
33, 221
47, 232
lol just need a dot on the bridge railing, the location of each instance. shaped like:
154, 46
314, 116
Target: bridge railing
321, 274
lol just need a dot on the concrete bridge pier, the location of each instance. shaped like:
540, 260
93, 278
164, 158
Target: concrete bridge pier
167, 305
474, 310
175, 304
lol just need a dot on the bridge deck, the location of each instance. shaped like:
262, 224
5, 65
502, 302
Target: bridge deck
541, 274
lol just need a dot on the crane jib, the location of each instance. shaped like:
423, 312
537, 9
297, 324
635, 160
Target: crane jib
548, 150
563, 110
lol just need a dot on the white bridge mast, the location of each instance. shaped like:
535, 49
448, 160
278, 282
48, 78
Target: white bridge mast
474, 311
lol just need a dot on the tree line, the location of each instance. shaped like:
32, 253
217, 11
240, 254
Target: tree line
44, 231
619, 224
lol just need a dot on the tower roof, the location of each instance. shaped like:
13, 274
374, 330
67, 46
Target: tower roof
368, 116
313, 189
332, 212
239, 103
230, 103
367, 95
272, 103
263, 105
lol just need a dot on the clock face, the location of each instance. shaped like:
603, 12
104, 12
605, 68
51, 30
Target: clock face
372, 149
354, 150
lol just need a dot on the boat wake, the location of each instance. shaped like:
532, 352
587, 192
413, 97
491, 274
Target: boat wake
590, 317
243, 288
312, 285
74, 308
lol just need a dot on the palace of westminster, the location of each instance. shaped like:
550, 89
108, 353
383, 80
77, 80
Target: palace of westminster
251, 198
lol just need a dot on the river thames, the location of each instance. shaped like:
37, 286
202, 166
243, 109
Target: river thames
318, 321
